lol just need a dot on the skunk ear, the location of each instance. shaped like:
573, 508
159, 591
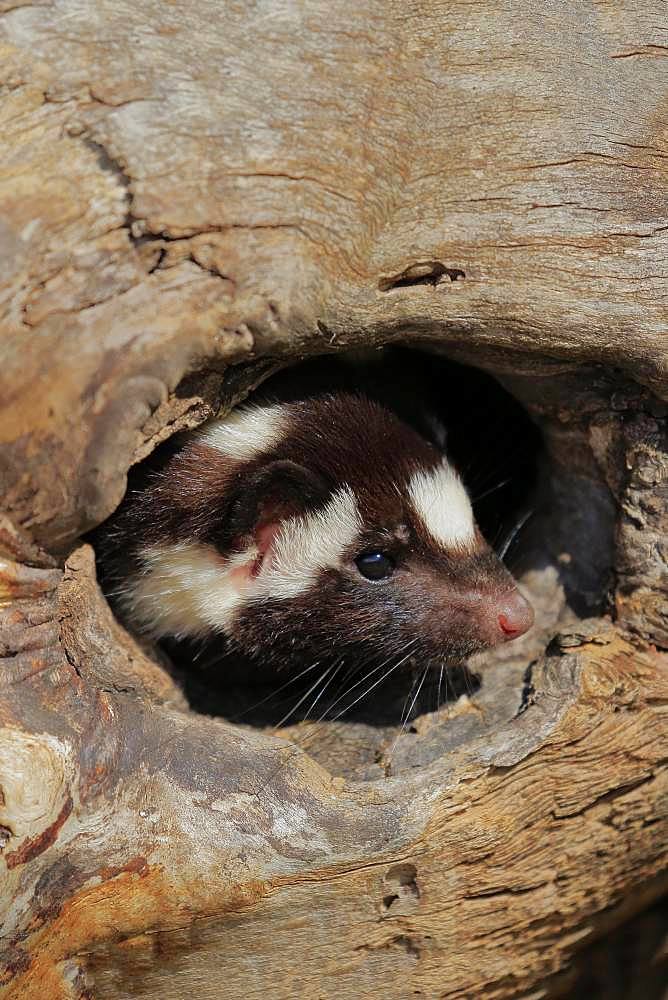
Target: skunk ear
436, 431
279, 490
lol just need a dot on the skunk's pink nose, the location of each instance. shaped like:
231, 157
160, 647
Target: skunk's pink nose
514, 616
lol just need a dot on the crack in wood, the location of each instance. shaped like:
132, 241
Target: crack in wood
428, 272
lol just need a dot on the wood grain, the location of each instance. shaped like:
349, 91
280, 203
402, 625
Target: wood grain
190, 194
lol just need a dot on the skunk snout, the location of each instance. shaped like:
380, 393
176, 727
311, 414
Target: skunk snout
482, 619
509, 618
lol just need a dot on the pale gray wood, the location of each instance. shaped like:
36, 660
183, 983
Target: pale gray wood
194, 185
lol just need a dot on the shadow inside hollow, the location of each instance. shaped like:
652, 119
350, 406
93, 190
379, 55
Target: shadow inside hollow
245, 694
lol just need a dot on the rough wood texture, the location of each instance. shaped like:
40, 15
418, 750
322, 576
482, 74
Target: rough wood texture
189, 186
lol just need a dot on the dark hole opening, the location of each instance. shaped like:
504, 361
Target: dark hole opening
496, 449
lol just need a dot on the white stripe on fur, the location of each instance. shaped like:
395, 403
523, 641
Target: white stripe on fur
186, 588
442, 503
248, 431
307, 544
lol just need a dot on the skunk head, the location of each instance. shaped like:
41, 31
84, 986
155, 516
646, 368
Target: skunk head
314, 529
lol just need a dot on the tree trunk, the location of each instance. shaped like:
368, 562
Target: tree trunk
193, 193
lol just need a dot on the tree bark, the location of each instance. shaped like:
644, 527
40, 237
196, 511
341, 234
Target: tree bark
191, 195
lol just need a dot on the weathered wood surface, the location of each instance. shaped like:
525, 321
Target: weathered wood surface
156, 851
191, 185
202, 182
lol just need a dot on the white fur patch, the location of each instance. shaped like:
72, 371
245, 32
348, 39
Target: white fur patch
441, 501
188, 588
248, 431
307, 544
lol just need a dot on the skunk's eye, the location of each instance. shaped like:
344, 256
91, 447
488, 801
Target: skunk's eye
375, 565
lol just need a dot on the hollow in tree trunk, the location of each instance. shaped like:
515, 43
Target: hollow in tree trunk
193, 194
